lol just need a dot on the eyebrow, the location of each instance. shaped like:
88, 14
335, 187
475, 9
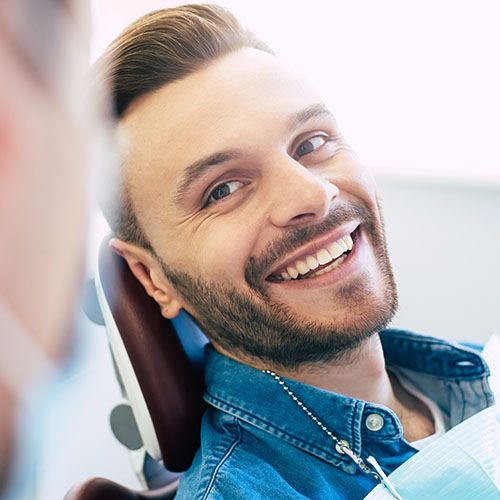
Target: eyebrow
302, 116
197, 169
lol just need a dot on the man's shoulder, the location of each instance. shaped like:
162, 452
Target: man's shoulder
227, 465
237, 460
224, 467
214, 473
245, 478
398, 334
408, 349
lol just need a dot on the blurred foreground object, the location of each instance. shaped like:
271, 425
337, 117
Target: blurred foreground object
43, 182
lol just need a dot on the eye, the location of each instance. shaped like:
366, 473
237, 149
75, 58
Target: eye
310, 145
223, 190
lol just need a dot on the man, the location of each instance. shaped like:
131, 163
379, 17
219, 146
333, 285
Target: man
42, 215
240, 202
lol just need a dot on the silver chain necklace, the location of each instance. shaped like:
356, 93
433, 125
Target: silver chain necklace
341, 445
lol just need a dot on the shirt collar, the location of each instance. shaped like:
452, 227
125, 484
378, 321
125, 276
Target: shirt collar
432, 356
258, 399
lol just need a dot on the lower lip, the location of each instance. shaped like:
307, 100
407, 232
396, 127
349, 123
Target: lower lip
351, 264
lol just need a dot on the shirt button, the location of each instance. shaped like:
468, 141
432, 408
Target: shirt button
374, 422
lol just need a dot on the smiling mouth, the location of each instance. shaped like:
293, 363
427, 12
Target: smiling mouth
320, 262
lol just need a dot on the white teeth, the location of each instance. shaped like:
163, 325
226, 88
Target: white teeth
333, 265
302, 267
349, 242
336, 250
312, 262
324, 257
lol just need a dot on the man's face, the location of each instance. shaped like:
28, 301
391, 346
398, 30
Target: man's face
262, 217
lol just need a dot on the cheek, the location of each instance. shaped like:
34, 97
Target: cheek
356, 180
216, 251
226, 252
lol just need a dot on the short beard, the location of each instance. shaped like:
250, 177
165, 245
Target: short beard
254, 327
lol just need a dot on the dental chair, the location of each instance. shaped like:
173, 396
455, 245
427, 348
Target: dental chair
159, 367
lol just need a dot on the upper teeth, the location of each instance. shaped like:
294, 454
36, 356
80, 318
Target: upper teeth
321, 257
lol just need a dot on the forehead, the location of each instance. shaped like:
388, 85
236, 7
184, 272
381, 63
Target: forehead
238, 101
213, 105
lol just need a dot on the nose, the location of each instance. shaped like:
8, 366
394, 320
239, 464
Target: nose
301, 195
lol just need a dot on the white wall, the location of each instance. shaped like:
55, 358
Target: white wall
444, 243
414, 85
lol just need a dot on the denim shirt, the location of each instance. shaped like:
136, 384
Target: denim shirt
257, 443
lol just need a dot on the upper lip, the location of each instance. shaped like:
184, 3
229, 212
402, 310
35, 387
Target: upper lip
315, 245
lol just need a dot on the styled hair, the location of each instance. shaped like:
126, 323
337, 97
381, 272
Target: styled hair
159, 48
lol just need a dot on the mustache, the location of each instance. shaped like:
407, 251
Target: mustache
257, 267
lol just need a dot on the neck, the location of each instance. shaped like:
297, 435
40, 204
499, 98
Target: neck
361, 375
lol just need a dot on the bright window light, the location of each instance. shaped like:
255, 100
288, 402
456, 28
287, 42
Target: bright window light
414, 85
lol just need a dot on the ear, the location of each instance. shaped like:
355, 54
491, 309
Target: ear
146, 268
